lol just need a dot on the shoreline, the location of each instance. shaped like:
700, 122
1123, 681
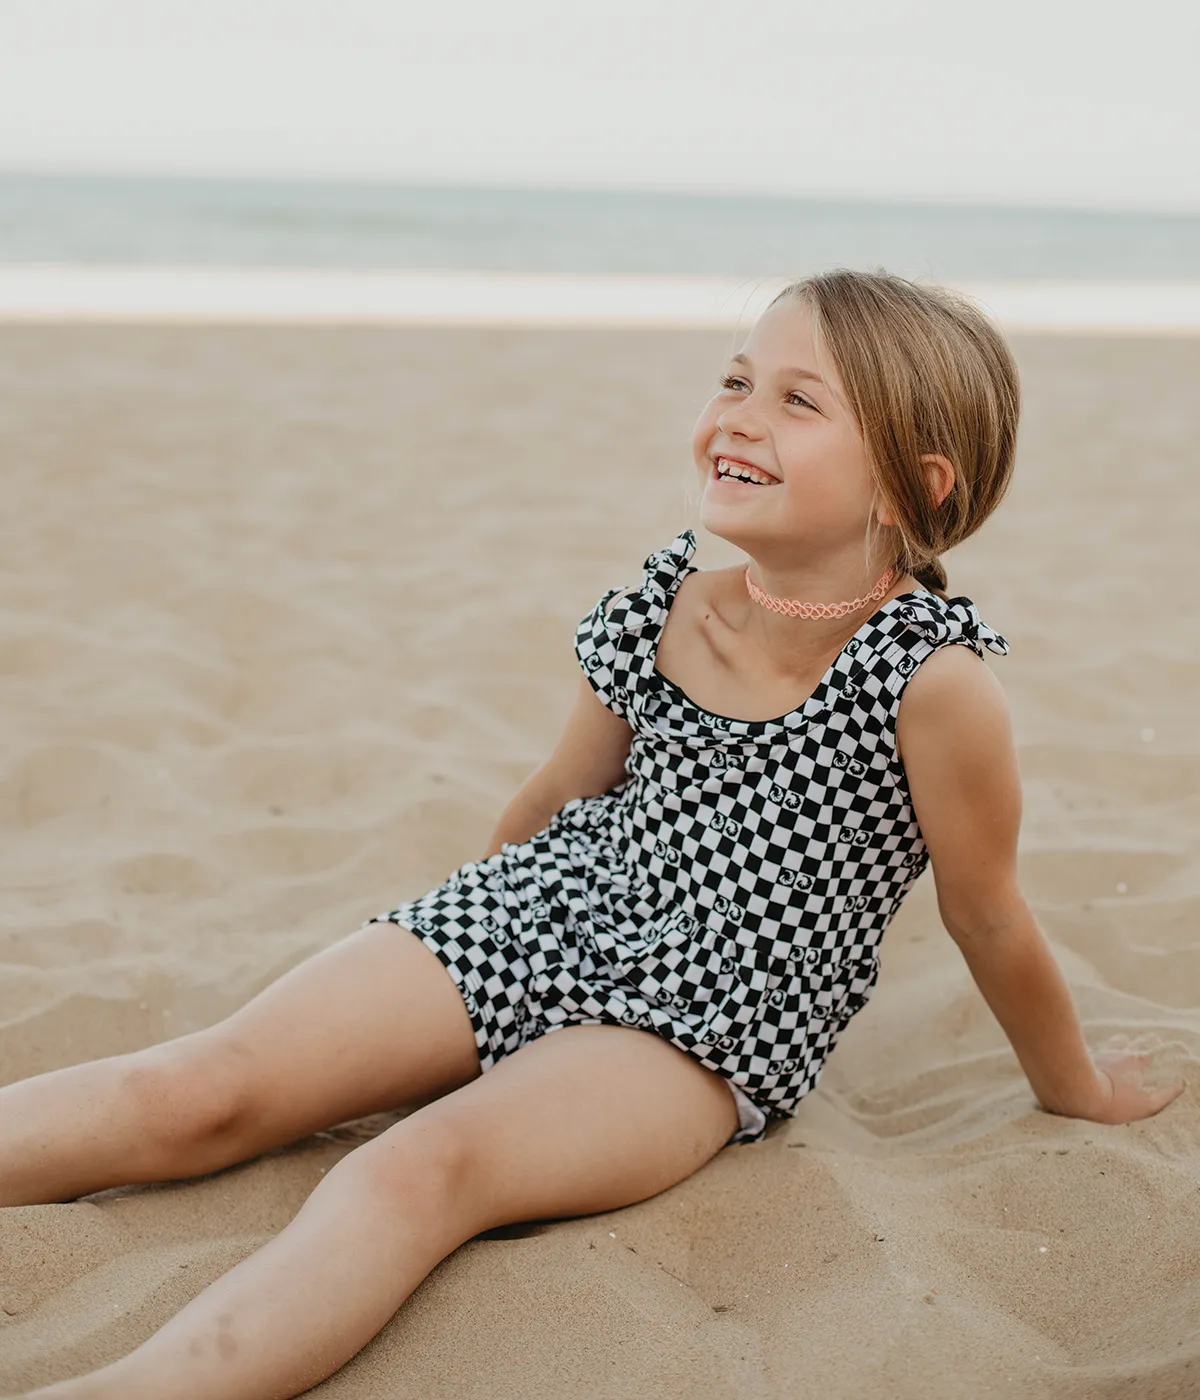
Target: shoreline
56, 293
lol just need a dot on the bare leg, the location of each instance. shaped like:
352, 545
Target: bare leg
371, 1023
585, 1119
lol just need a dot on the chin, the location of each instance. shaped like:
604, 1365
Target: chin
722, 521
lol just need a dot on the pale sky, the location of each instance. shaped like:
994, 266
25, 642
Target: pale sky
1042, 101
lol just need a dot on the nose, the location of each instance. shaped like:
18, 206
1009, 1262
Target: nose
739, 420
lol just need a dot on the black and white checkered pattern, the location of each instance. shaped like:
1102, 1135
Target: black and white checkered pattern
730, 893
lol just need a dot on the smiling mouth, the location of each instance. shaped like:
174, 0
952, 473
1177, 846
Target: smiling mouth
730, 470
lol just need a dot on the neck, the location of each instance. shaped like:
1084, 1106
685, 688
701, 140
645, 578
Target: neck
817, 580
792, 646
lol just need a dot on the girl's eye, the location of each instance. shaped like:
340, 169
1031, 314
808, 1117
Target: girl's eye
732, 381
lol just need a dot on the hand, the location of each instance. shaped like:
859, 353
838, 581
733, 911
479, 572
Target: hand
1121, 1095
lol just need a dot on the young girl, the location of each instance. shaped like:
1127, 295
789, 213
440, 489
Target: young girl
681, 909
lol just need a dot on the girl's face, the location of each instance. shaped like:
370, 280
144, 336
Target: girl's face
780, 413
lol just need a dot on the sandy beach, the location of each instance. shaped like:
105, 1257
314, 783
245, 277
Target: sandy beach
286, 618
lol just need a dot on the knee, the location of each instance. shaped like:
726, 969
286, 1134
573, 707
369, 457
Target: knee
189, 1099
428, 1164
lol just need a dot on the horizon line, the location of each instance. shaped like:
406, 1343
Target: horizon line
979, 202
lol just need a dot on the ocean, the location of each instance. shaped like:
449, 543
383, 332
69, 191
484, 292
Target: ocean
94, 221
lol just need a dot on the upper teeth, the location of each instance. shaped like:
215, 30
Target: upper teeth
727, 468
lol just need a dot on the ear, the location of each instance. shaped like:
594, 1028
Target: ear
940, 474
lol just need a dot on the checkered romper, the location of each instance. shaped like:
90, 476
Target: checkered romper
731, 892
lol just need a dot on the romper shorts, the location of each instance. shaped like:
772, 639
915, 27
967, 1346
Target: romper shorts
468, 922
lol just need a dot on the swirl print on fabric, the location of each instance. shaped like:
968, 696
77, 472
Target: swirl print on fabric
731, 892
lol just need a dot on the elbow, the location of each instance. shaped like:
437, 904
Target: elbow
975, 915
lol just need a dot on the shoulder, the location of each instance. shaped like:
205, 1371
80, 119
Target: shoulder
953, 703
664, 573
951, 672
710, 590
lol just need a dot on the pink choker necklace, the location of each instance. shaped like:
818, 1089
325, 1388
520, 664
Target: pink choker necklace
792, 607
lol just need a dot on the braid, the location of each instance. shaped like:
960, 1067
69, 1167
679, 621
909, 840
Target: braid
931, 575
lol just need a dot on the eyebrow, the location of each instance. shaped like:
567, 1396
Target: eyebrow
794, 371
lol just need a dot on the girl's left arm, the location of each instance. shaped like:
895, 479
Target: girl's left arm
954, 737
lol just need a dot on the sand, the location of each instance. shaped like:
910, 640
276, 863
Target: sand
285, 619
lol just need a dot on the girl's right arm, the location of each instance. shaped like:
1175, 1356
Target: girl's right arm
589, 759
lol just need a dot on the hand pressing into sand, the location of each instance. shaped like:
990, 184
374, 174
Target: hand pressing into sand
1123, 1096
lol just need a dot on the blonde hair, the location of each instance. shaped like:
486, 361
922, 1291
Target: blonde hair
924, 371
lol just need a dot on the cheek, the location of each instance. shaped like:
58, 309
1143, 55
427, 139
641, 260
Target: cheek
827, 469
702, 432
